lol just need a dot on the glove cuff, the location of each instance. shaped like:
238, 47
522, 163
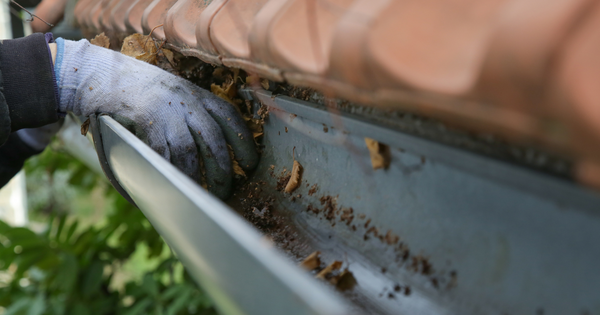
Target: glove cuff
60, 53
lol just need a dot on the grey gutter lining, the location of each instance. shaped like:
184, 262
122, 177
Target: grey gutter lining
542, 185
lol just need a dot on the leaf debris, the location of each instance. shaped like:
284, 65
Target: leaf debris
85, 127
380, 154
227, 90
100, 40
344, 281
294, 181
336, 265
237, 169
312, 262
144, 48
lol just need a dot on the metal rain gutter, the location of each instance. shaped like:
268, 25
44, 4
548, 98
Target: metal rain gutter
222, 252
514, 238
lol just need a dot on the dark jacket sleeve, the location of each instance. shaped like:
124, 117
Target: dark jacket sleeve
28, 86
13, 154
28, 97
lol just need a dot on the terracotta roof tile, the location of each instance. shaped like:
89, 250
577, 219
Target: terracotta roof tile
203, 43
430, 45
117, 17
80, 8
524, 69
181, 21
231, 25
301, 34
133, 19
154, 15
94, 17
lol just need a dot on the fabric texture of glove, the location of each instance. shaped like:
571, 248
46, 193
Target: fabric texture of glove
184, 123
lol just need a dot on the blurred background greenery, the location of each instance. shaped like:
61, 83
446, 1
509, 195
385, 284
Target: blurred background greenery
88, 251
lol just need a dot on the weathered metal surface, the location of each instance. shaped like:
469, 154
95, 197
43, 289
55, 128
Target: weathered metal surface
466, 234
231, 261
514, 239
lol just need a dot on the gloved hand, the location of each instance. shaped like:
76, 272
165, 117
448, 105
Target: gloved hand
184, 123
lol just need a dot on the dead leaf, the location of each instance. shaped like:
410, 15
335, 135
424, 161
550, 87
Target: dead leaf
101, 40
218, 73
294, 181
140, 47
327, 270
380, 154
165, 59
263, 112
311, 262
168, 54
255, 81
264, 83
226, 91
237, 169
85, 127
257, 134
148, 58
345, 281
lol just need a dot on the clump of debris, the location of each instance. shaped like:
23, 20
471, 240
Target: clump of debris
260, 211
343, 280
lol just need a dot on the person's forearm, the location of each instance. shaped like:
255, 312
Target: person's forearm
53, 52
51, 11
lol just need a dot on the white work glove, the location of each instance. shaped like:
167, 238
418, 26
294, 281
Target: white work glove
184, 123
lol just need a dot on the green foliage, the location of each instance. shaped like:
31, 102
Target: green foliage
72, 267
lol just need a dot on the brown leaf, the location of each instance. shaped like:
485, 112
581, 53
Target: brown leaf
311, 262
237, 169
85, 127
252, 79
327, 270
226, 91
264, 83
168, 54
101, 40
294, 181
140, 47
380, 154
148, 58
344, 281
